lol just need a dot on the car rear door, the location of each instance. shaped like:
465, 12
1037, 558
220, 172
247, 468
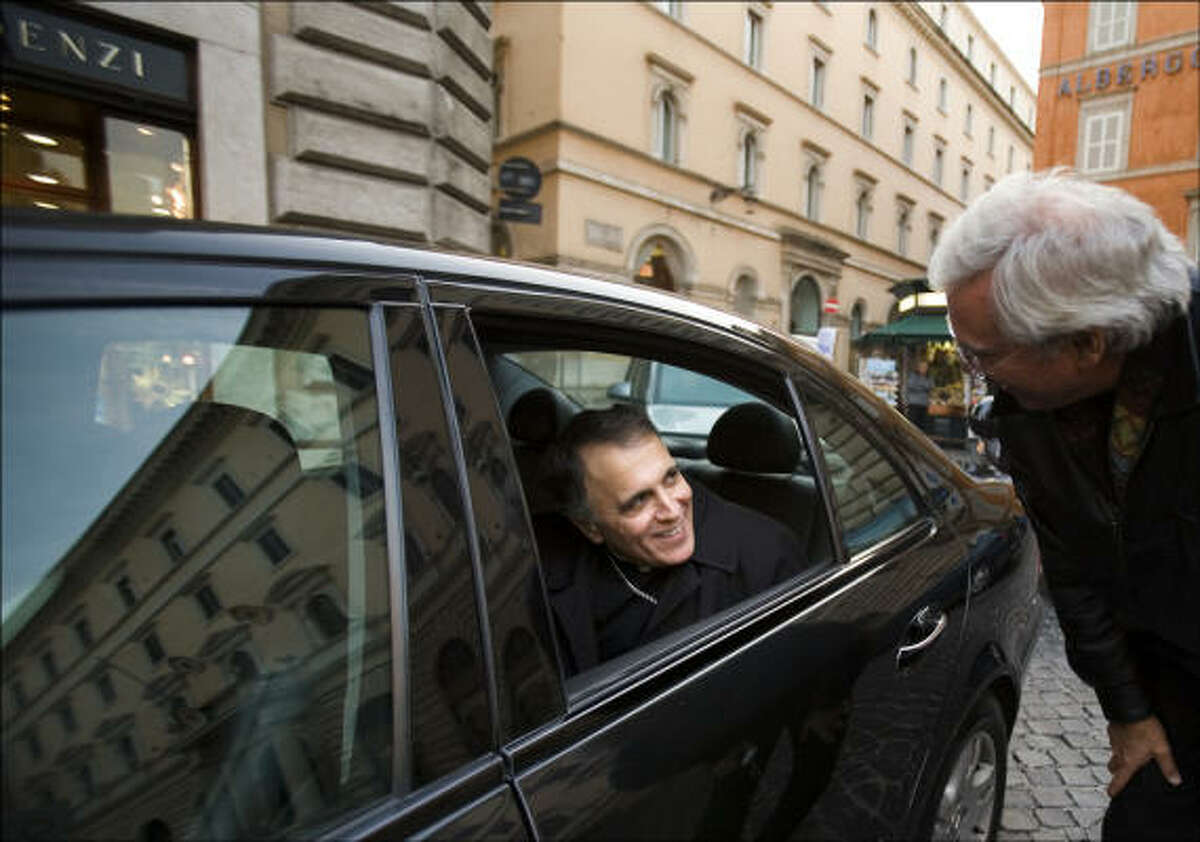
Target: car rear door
735, 728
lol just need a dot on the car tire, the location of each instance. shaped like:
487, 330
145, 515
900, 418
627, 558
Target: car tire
968, 792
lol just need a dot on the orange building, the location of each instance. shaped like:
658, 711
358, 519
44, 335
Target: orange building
1119, 100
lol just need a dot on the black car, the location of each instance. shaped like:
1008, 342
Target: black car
271, 562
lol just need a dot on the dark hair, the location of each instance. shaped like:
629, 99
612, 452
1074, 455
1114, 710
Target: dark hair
562, 472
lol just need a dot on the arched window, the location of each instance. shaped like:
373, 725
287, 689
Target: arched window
805, 307
812, 181
744, 295
872, 29
659, 264
857, 313
749, 162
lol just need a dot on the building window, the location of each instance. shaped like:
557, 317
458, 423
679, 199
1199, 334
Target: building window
674, 8
34, 744
1012, 96
935, 231
943, 94
18, 693
857, 315
971, 48
66, 716
812, 193
818, 64
991, 143
862, 212
872, 29
988, 181
125, 589
104, 687
368, 482
943, 16
992, 74
964, 185
903, 225
660, 264
868, 114
49, 665
805, 317
667, 126
128, 752
86, 784
171, 543
668, 110
939, 164
1010, 157
275, 548
908, 141
745, 296
912, 66
1110, 24
206, 598
1103, 131
153, 647
229, 490
83, 631
326, 616
969, 120
754, 39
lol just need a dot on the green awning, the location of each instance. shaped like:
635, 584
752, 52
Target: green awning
919, 327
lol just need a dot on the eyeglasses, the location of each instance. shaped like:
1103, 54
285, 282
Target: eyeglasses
980, 360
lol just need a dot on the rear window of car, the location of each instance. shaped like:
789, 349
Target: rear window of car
196, 614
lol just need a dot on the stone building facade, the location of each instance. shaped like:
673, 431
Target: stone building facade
368, 118
1120, 102
788, 161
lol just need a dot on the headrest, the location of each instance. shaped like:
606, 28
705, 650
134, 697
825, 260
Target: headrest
754, 437
535, 417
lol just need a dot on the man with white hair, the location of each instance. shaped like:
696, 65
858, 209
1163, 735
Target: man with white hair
1082, 309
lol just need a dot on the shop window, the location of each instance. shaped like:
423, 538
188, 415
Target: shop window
61, 153
805, 318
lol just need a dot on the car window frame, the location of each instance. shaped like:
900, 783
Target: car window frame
541, 318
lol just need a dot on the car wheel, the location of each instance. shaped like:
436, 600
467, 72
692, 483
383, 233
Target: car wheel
969, 792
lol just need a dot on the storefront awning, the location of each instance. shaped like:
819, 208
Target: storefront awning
917, 328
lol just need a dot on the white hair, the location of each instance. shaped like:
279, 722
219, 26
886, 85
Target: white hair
1066, 255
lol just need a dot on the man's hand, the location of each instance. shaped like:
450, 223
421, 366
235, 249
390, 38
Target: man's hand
1133, 745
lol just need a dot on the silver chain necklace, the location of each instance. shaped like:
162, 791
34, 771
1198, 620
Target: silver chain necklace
636, 590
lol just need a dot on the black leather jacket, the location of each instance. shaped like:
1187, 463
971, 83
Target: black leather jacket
1123, 579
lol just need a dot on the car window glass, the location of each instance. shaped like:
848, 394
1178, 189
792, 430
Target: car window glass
195, 570
870, 496
450, 719
756, 515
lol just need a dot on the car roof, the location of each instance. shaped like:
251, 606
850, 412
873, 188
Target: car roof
53, 235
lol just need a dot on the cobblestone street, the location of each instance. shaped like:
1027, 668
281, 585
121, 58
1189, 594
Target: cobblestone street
1058, 754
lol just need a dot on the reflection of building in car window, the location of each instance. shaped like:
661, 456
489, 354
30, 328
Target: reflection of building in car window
247, 715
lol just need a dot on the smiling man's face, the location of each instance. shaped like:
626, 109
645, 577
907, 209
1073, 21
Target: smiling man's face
640, 505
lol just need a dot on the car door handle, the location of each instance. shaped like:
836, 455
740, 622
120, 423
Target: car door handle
927, 626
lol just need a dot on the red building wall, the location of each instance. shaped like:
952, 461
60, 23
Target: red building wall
1160, 70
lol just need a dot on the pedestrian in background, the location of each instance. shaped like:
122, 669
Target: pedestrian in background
1084, 312
917, 386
